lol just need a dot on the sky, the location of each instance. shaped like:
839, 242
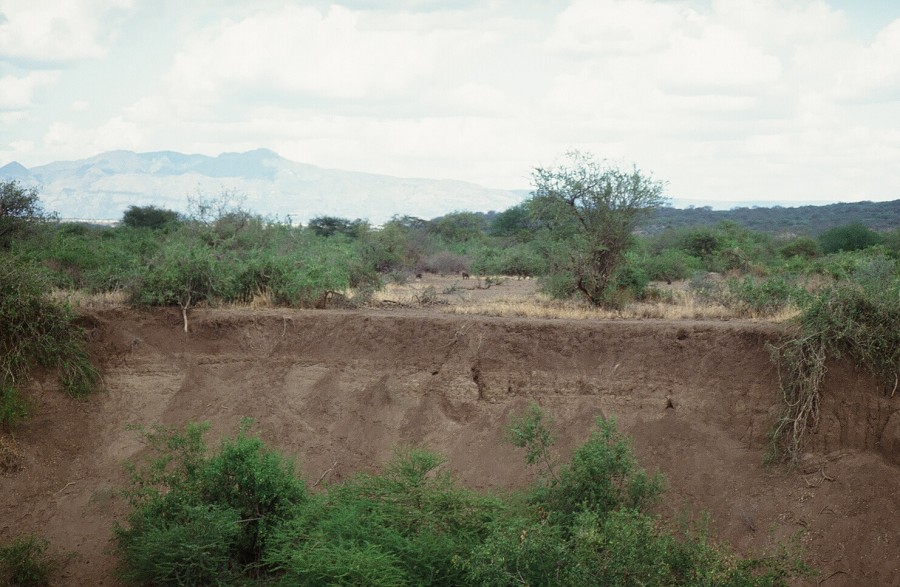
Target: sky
727, 101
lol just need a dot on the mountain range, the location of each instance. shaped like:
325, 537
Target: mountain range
102, 187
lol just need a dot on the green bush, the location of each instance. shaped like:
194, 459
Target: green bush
671, 265
520, 260
200, 519
150, 217
25, 562
852, 237
410, 525
602, 477
802, 246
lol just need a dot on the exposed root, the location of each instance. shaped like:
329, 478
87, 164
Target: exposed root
801, 371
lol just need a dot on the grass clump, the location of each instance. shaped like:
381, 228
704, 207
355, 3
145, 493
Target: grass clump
36, 332
241, 516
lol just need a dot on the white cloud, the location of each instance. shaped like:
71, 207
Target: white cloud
115, 133
299, 50
603, 27
873, 72
717, 60
17, 93
57, 30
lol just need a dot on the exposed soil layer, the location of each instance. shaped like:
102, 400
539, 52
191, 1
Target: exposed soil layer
345, 387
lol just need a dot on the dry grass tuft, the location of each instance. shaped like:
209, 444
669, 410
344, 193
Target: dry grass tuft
84, 300
11, 457
680, 306
263, 298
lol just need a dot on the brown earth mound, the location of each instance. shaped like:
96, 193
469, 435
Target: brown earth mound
339, 389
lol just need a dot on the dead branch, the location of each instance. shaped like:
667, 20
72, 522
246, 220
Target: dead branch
328, 470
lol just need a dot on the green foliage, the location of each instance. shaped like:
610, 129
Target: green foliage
332, 225
35, 332
593, 209
25, 562
590, 526
150, 217
702, 242
519, 260
240, 516
724, 247
182, 274
763, 297
20, 211
408, 526
531, 431
97, 259
802, 246
204, 520
671, 265
458, 227
602, 477
892, 243
516, 222
851, 237
778, 220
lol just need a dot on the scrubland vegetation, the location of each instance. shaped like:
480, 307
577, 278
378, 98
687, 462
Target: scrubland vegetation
240, 515
587, 235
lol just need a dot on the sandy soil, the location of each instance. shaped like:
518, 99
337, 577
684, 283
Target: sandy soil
345, 387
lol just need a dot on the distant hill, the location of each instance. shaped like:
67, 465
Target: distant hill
808, 220
102, 187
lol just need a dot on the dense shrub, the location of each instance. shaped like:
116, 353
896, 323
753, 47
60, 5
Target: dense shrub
410, 525
28, 562
521, 260
201, 519
240, 516
802, 246
445, 263
151, 217
763, 297
671, 265
852, 237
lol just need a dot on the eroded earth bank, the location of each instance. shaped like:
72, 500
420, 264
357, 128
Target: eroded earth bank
339, 389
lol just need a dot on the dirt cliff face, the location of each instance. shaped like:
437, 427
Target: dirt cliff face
339, 389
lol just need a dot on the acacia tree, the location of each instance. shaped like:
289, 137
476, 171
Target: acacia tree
152, 217
591, 209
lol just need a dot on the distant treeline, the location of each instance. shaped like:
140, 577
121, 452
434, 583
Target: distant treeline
802, 220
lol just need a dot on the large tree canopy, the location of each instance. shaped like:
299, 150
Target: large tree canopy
592, 208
